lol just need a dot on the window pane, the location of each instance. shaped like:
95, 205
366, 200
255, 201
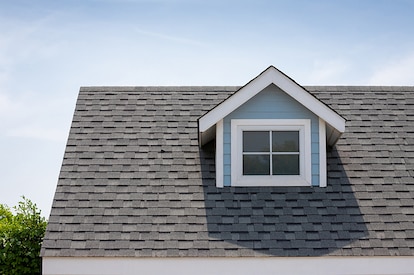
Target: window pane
285, 141
285, 164
256, 141
256, 165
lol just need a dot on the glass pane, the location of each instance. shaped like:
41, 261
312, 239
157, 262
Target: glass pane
256, 165
256, 141
285, 164
285, 141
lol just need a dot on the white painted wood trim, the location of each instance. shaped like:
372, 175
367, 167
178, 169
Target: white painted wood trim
219, 154
323, 177
304, 128
219, 265
269, 76
234, 101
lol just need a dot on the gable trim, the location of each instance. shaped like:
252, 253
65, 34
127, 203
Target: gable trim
271, 76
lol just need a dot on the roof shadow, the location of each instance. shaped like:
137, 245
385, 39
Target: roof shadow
283, 221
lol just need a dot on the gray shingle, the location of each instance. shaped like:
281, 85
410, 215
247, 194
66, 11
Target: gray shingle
135, 183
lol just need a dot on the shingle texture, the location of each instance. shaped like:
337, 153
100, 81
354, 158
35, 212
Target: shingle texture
134, 182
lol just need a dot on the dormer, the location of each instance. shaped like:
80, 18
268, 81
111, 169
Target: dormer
271, 132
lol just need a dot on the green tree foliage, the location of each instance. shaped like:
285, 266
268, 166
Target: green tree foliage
21, 234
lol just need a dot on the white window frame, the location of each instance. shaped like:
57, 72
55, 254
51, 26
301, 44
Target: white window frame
302, 125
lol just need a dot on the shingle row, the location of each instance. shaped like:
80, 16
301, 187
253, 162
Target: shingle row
134, 181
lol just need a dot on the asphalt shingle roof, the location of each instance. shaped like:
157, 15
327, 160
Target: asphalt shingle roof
134, 181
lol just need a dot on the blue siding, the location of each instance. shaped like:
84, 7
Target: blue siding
271, 103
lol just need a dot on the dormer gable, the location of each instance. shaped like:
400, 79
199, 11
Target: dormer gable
271, 132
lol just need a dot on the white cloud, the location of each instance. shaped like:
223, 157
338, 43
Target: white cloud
170, 37
14, 46
29, 116
6, 106
328, 72
39, 132
399, 72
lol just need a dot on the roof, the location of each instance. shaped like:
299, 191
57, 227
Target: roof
134, 182
272, 76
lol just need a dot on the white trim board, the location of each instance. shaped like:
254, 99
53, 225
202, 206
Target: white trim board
323, 176
271, 76
219, 154
219, 265
301, 125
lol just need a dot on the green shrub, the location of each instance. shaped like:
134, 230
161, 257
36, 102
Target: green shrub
21, 235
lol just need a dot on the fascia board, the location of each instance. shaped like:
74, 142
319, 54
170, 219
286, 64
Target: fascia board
309, 101
323, 265
272, 76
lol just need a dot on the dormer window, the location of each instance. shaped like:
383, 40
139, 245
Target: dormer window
270, 152
271, 132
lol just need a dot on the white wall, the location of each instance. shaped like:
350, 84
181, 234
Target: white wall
239, 266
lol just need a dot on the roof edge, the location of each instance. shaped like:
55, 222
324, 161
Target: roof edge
156, 88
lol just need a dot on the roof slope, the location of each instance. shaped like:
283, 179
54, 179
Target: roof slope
135, 183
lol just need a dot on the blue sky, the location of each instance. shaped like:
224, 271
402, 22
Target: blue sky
48, 49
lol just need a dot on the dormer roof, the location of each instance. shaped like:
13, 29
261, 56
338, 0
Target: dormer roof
335, 122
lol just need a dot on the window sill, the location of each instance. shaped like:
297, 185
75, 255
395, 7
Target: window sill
254, 181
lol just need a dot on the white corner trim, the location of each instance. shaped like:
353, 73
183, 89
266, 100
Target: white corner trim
331, 265
323, 177
301, 125
272, 76
219, 154
308, 151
